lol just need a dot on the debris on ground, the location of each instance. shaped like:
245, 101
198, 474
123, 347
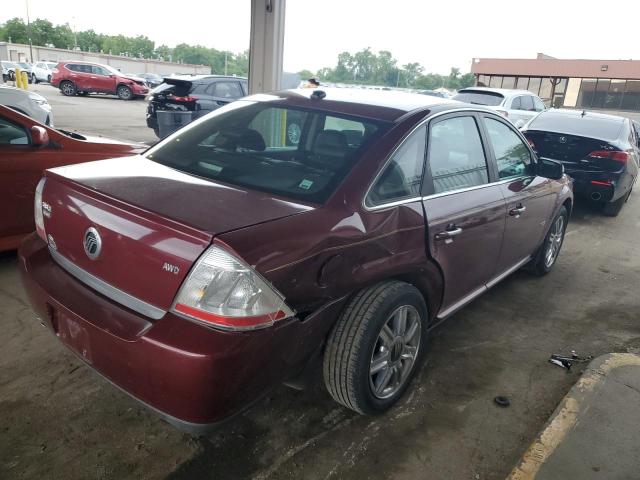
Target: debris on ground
566, 361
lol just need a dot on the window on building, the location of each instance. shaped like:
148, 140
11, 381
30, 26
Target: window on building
587, 92
496, 81
483, 81
545, 90
508, 82
559, 92
534, 85
613, 100
600, 95
631, 98
522, 83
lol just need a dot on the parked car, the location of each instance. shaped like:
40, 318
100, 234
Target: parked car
600, 152
42, 71
223, 260
519, 106
82, 78
26, 102
8, 70
434, 93
152, 79
200, 94
27, 148
25, 67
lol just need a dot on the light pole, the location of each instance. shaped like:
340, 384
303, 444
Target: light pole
29, 32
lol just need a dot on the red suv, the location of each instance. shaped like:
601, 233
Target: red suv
230, 255
82, 78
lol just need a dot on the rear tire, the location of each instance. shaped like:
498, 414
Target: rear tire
68, 88
372, 353
124, 92
48, 78
612, 209
547, 255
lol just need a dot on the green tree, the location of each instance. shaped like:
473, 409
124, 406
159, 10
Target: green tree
89, 41
63, 37
16, 31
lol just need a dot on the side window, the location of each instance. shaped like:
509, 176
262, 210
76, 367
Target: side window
456, 156
229, 90
12, 134
98, 70
512, 155
538, 105
38, 65
72, 67
516, 103
527, 103
402, 176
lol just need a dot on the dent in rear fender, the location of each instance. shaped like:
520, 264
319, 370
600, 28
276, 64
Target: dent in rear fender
318, 256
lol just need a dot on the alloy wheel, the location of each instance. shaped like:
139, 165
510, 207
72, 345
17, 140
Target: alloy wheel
555, 242
395, 351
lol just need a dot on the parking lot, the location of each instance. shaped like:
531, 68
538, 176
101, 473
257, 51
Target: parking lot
58, 419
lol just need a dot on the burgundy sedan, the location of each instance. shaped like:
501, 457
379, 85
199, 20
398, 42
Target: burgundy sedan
339, 224
27, 148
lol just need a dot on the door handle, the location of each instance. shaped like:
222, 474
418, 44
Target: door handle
449, 233
516, 212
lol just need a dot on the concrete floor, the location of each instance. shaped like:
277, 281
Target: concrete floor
60, 420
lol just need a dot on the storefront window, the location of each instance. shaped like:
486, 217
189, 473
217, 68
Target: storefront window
522, 83
613, 100
508, 82
558, 92
587, 92
545, 90
631, 98
495, 82
483, 80
534, 85
602, 88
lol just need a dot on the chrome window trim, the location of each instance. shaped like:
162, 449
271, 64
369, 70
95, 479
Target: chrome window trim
422, 123
106, 289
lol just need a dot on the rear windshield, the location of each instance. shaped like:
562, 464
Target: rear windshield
589, 125
296, 153
180, 88
491, 99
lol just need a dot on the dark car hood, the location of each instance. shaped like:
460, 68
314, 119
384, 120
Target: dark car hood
187, 199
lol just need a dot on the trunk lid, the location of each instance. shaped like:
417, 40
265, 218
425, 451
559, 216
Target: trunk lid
173, 94
574, 151
153, 222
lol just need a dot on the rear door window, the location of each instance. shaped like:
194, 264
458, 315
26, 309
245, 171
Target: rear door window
511, 153
516, 103
527, 103
229, 90
538, 106
12, 134
456, 158
402, 176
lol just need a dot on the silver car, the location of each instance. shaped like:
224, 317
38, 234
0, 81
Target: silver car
28, 103
519, 106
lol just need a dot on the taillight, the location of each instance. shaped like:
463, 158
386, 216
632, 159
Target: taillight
223, 291
38, 212
618, 156
183, 99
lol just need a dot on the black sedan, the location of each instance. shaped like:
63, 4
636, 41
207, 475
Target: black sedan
600, 152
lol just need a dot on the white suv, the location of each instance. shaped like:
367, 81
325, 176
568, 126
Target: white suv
519, 106
28, 103
42, 71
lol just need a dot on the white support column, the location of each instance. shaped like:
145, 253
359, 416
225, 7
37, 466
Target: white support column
267, 45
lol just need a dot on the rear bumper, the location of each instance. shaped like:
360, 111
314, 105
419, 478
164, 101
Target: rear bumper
596, 186
192, 375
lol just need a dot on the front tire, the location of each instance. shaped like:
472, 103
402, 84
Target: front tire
546, 257
68, 88
48, 78
34, 79
124, 92
376, 346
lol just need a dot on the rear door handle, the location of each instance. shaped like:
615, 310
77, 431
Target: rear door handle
449, 233
516, 212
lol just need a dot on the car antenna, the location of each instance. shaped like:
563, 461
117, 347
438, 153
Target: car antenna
318, 94
584, 112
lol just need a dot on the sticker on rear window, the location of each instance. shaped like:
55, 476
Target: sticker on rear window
210, 166
306, 184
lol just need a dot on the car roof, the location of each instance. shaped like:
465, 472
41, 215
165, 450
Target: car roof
386, 105
505, 92
579, 122
195, 77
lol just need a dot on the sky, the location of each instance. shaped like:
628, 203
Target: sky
438, 35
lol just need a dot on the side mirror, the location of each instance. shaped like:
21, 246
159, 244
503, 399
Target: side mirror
552, 169
39, 136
